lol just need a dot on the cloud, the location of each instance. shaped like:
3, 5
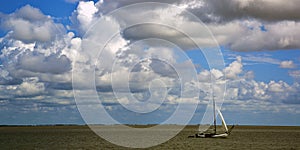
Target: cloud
234, 69
277, 87
84, 15
238, 34
37, 58
295, 74
6, 79
238, 23
261, 59
241, 26
30, 87
228, 10
30, 13
156, 31
29, 24
39, 63
35, 70
248, 36
287, 64
244, 93
49, 61
139, 68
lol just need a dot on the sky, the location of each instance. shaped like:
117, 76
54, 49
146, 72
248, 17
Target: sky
50, 60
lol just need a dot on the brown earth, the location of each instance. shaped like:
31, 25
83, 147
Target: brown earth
81, 137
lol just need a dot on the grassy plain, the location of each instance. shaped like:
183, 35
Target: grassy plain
81, 137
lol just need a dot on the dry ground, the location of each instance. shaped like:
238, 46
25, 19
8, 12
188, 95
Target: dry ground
81, 137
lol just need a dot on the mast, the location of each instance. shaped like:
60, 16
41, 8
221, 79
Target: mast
215, 122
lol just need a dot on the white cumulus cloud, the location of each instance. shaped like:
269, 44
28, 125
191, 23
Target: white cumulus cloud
287, 64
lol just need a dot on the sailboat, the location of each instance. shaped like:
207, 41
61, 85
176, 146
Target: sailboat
208, 134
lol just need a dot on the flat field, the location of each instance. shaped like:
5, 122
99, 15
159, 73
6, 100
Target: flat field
81, 137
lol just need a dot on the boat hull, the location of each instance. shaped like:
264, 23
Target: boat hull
223, 135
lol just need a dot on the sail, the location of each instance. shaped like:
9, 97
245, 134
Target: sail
223, 121
208, 119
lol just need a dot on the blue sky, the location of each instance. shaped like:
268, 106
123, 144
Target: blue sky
59, 8
40, 41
